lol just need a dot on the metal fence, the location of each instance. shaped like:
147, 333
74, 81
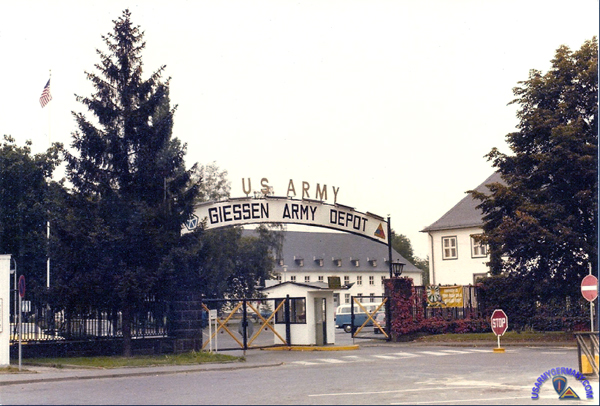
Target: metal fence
40, 322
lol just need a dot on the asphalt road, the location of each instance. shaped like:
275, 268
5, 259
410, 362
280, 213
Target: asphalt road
383, 373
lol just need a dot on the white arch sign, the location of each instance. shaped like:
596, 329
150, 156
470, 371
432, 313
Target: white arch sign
242, 211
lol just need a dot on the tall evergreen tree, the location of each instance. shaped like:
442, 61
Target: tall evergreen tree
542, 223
129, 176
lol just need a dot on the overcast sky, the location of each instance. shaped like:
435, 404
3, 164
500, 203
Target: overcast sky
393, 102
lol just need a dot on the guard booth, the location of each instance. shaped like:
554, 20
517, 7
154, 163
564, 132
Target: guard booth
311, 311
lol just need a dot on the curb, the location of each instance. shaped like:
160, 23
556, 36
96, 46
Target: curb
311, 348
136, 374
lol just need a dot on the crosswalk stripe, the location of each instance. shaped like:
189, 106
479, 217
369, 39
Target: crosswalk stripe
332, 360
437, 354
405, 354
457, 351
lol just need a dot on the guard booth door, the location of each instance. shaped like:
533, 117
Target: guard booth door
320, 320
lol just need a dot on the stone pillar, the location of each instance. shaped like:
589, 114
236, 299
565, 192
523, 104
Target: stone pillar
185, 324
4, 310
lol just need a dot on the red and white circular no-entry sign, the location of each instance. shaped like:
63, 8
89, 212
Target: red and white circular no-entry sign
589, 288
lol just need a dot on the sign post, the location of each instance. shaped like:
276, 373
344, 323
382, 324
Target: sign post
499, 323
21, 296
589, 290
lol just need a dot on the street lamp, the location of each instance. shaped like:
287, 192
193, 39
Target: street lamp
397, 267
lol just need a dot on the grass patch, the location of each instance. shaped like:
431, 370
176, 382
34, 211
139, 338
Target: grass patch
508, 337
11, 370
189, 358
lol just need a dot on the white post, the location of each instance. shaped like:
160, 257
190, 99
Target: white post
4, 310
591, 303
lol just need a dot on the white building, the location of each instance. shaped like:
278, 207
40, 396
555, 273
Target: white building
455, 255
308, 257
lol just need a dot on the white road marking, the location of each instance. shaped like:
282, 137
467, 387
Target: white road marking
457, 351
405, 354
386, 356
331, 360
436, 353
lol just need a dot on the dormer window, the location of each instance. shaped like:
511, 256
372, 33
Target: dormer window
299, 261
319, 261
337, 261
355, 262
372, 261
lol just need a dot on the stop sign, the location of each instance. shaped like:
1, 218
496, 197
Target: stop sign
499, 322
589, 288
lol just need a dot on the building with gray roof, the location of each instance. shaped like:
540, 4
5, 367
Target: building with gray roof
455, 254
307, 257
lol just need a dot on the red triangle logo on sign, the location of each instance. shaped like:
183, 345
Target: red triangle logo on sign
379, 232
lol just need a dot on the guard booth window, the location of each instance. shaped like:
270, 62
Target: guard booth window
297, 311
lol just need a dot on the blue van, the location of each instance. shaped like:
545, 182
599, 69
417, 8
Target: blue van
343, 315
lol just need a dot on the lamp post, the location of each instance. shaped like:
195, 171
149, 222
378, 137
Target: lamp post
397, 267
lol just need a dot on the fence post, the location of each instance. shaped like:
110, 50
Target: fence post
245, 325
288, 334
186, 322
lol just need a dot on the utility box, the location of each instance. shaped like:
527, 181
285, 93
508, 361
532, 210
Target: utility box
311, 312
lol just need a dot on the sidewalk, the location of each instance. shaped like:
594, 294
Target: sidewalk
253, 359
33, 374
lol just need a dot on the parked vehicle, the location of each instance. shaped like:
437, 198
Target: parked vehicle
380, 319
343, 315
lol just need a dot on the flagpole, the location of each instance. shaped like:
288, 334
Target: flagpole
48, 222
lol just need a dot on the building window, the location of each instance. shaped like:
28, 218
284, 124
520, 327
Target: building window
383, 280
372, 298
278, 276
297, 311
478, 249
293, 278
347, 298
307, 279
337, 261
346, 280
321, 278
449, 248
355, 262
359, 280
371, 280
359, 297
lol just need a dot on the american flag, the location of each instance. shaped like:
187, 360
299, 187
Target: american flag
46, 96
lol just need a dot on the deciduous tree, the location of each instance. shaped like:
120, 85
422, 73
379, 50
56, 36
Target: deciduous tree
542, 223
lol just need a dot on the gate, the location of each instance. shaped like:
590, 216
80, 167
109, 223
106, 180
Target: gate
245, 323
368, 320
